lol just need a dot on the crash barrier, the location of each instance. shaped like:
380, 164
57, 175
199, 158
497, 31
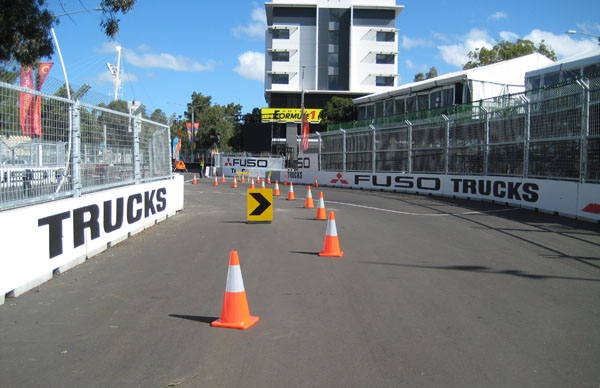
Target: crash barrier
48, 238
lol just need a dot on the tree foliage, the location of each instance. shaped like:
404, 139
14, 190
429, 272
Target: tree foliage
504, 50
338, 110
25, 27
432, 73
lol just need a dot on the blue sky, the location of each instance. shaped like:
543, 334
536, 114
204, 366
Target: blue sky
174, 48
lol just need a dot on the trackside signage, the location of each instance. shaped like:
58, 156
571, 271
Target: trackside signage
566, 198
232, 165
37, 240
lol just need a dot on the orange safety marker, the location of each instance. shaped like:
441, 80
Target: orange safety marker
235, 313
276, 191
269, 180
331, 246
223, 178
216, 181
235, 185
291, 195
194, 181
316, 182
285, 182
321, 214
262, 184
252, 186
243, 181
309, 203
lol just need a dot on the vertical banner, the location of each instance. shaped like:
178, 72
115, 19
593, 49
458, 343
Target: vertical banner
188, 127
43, 71
176, 147
196, 126
26, 102
305, 130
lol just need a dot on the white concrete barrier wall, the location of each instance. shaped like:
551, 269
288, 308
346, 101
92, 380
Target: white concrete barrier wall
571, 199
37, 240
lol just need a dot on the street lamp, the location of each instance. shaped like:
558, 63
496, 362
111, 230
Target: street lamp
572, 32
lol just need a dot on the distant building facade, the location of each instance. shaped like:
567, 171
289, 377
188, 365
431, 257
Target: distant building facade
584, 65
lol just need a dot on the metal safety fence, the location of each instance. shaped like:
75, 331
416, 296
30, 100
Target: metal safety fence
551, 133
52, 147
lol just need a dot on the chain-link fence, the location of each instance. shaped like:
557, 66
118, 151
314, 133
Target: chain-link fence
551, 133
52, 147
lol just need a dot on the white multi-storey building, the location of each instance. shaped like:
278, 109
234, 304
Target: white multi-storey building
329, 48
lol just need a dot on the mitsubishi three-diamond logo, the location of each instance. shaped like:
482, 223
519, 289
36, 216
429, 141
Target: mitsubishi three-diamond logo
339, 179
228, 162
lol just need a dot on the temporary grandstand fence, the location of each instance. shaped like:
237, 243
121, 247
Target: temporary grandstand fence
71, 148
551, 133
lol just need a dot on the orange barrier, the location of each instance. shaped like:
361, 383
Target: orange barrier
235, 313
291, 195
309, 203
321, 213
331, 246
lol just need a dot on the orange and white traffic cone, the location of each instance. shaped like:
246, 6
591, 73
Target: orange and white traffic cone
223, 178
235, 313
243, 180
235, 182
276, 191
309, 203
331, 246
291, 195
316, 182
262, 184
194, 181
321, 213
269, 180
285, 182
216, 181
252, 185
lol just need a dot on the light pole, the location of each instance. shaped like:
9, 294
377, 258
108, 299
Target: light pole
572, 32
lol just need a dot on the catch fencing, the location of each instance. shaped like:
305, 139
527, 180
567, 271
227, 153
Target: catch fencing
52, 147
551, 133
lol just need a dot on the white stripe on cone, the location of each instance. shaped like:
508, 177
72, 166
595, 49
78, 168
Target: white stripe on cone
235, 283
331, 228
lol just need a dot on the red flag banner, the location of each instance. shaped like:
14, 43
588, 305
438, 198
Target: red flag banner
37, 115
305, 131
26, 102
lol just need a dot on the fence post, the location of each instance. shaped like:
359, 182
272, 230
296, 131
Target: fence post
447, 158
343, 149
319, 150
76, 139
486, 155
527, 136
374, 149
585, 130
137, 127
410, 152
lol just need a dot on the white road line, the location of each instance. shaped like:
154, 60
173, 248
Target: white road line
422, 214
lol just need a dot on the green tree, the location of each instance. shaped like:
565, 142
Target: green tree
25, 27
432, 73
338, 110
419, 77
504, 50
159, 116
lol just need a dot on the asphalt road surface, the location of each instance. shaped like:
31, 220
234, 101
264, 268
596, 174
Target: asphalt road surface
430, 292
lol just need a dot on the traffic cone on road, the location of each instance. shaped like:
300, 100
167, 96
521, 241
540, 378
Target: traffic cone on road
194, 181
309, 203
235, 313
321, 213
252, 185
316, 182
216, 181
235, 182
243, 180
291, 195
276, 191
331, 246
262, 184
269, 180
223, 178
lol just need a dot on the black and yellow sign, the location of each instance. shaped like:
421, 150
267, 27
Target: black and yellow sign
260, 205
290, 115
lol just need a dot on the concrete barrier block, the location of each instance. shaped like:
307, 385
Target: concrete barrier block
65, 267
30, 285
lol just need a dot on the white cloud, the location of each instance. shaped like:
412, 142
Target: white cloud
509, 36
413, 66
498, 15
106, 77
408, 43
457, 54
440, 36
563, 45
256, 28
252, 65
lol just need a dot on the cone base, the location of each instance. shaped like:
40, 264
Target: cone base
235, 325
331, 254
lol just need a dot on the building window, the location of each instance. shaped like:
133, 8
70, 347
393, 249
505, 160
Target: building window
551, 79
435, 99
411, 104
379, 109
386, 36
281, 34
370, 111
280, 79
333, 82
400, 108
533, 83
422, 102
279, 56
388, 108
384, 59
384, 81
448, 97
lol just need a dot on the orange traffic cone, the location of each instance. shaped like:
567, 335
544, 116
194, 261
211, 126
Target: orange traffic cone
309, 203
316, 182
235, 313
243, 181
252, 186
194, 181
235, 182
223, 178
276, 191
216, 181
291, 195
331, 246
262, 184
269, 180
321, 214
285, 182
